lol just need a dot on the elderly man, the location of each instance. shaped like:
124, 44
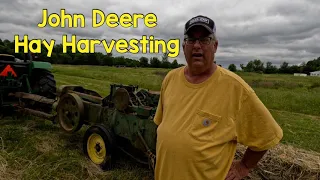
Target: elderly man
204, 111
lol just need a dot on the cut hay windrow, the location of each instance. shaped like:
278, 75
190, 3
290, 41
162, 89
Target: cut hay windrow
286, 162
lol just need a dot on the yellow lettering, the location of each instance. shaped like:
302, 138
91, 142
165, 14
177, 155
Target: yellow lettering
112, 18
122, 46
134, 47
37, 42
85, 42
151, 45
135, 19
65, 17
65, 44
49, 47
150, 20
24, 44
162, 43
61, 19
96, 12
125, 20
34, 46
80, 17
92, 45
44, 18
144, 43
173, 52
56, 17
106, 47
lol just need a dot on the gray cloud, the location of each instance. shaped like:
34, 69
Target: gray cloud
273, 31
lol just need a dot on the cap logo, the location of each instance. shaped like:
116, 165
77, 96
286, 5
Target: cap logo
199, 19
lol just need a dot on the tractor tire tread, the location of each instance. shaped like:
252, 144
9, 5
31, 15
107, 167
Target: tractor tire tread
47, 84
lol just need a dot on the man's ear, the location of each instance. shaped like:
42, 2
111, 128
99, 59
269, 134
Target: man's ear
215, 46
183, 45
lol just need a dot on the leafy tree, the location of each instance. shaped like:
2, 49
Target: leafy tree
257, 65
174, 64
270, 69
144, 62
284, 67
232, 68
165, 62
155, 62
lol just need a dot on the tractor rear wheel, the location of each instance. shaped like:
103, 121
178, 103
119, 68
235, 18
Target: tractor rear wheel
43, 83
98, 146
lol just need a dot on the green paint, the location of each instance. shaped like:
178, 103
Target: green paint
136, 118
40, 65
27, 72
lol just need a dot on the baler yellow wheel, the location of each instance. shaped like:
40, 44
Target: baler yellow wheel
98, 146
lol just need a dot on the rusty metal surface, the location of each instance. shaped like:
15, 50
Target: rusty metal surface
70, 111
68, 88
88, 97
93, 113
127, 111
154, 92
32, 97
37, 113
64, 88
121, 99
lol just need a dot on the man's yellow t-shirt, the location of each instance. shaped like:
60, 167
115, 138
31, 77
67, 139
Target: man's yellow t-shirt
201, 124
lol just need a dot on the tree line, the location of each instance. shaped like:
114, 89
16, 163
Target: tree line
259, 67
97, 58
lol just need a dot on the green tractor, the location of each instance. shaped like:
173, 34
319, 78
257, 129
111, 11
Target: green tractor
26, 83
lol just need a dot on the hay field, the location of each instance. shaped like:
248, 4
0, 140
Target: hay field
35, 149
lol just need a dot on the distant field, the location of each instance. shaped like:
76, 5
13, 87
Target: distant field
287, 92
38, 150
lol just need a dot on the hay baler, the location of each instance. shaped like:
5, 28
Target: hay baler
121, 121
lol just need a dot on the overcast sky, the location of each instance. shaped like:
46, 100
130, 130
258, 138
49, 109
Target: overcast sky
271, 30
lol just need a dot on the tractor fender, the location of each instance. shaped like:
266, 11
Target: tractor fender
40, 65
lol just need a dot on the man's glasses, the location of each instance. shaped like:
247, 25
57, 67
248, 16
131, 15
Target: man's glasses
202, 41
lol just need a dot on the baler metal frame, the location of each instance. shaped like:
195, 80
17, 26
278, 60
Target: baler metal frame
122, 120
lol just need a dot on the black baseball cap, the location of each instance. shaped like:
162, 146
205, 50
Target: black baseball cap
200, 21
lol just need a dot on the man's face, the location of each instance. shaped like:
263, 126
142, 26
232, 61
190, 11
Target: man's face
199, 53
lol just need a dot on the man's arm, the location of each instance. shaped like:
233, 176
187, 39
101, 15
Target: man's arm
255, 126
256, 129
241, 169
251, 158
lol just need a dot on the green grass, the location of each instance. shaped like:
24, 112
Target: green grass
37, 149
299, 130
99, 78
287, 92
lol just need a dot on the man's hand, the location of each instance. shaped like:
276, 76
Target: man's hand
237, 171
240, 169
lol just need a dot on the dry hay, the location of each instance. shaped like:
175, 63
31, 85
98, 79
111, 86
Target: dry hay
6, 173
46, 144
286, 162
3, 165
